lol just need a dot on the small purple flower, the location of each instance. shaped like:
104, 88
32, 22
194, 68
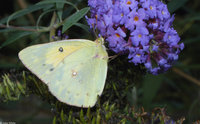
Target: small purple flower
162, 61
172, 56
135, 18
128, 5
53, 37
140, 35
155, 48
65, 36
163, 12
91, 21
168, 23
59, 33
119, 16
171, 37
148, 65
170, 121
181, 46
108, 20
60, 36
150, 7
137, 56
116, 36
101, 25
93, 3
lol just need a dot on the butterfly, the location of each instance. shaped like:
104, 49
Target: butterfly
74, 70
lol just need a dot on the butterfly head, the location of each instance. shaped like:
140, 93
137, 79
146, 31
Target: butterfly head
100, 40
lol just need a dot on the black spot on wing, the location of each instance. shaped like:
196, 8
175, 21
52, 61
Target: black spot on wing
61, 49
51, 69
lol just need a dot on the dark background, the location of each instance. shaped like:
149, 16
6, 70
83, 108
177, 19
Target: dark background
178, 90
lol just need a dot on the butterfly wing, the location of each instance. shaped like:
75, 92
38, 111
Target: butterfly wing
43, 58
74, 70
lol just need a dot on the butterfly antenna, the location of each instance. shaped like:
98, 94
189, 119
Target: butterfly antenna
104, 37
112, 57
94, 31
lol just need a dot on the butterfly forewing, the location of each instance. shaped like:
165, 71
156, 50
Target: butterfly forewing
43, 58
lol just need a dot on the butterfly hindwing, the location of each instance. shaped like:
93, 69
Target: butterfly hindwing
83, 80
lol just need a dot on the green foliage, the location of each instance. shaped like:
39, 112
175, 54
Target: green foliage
74, 18
10, 91
175, 4
15, 36
149, 93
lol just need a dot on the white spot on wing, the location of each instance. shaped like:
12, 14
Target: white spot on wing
74, 73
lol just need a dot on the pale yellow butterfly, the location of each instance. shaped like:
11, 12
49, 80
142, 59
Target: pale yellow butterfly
74, 70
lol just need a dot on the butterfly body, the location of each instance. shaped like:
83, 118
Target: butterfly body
74, 70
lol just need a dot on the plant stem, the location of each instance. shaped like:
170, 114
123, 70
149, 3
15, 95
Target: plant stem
186, 76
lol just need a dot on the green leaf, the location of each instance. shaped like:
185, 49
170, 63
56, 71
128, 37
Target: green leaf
151, 85
191, 40
15, 36
85, 27
59, 7
8, 93
48, 7
21, 89
23, 12
70, 116
54, 120
74, 18
93, 120
56, 1
195, 17
98, 120
89, 113
14, 29
44, 13
9, 83
82, 117
7, 30
62, 115
175, 4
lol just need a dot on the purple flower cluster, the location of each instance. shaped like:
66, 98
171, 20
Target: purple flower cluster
141, 28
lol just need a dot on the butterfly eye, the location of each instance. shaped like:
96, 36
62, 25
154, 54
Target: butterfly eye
60, 49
